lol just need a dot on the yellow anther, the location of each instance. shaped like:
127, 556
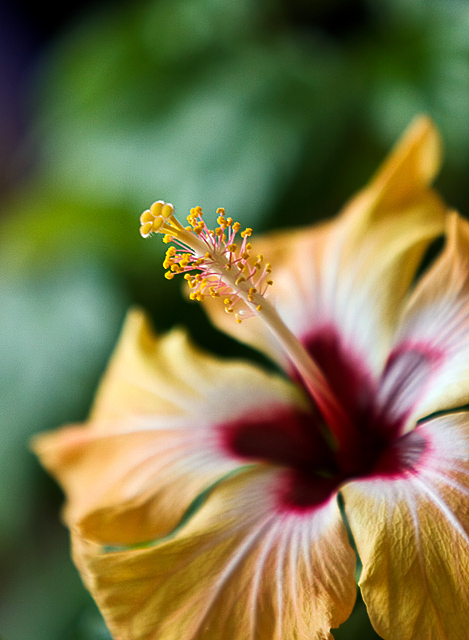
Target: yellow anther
167, 211
157, 207
270, 282
212, 262
146, 216
145, 229
157, 224
238, 320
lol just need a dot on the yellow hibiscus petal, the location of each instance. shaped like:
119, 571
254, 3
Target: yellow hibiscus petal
436, 321
353, 273
240, 568
152, 444
412, 535
128, 487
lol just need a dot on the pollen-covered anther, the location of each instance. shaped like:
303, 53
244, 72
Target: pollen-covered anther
212, 262
159, 218
146, 216
146, 229
157, 224
251, 293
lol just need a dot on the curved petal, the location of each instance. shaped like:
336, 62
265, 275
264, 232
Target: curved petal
436, 323
412, 535
354, 273
155, 439
238, 568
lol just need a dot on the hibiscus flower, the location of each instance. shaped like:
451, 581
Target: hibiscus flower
210, 498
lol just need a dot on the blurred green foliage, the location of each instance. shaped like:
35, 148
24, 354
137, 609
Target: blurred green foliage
275, 109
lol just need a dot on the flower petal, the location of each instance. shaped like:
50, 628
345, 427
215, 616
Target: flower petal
354, 273
436, 321
238, 568
412, 535
154, 441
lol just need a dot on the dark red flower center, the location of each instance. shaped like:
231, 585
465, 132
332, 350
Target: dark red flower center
373, 443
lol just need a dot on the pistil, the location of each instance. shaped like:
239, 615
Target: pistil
227, 270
